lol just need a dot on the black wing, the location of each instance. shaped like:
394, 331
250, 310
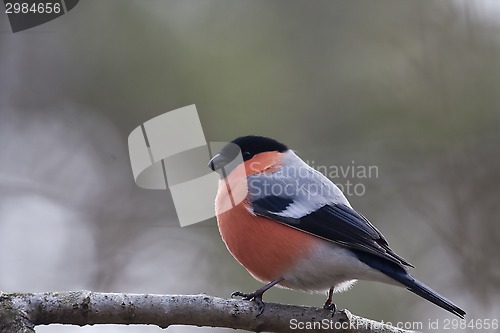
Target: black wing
337, 223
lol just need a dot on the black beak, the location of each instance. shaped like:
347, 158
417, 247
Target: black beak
217, 162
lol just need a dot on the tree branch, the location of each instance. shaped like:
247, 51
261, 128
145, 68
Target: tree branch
21, 312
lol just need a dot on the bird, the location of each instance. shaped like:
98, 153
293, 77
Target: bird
292, 227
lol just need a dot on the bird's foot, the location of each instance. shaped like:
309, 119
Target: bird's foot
330, 306
256, 296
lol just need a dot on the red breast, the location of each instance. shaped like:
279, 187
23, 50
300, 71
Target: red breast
267, 249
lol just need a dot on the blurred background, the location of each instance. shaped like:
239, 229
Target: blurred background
410, 87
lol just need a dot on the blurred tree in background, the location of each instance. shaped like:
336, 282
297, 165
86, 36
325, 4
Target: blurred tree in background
410, 87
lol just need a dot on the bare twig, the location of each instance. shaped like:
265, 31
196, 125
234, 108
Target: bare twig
21, 312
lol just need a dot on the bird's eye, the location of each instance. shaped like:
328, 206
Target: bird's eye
246, 154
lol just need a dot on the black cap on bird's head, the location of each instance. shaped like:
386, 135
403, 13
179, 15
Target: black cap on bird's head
249, 146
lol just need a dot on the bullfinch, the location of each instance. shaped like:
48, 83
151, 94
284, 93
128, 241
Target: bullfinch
292, 227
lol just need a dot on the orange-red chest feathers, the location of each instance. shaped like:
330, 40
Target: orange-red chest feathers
267, 249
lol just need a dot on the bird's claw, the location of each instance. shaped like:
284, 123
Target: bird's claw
256, 297
331, 307
240, 294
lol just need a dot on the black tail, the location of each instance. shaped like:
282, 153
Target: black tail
399, 274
